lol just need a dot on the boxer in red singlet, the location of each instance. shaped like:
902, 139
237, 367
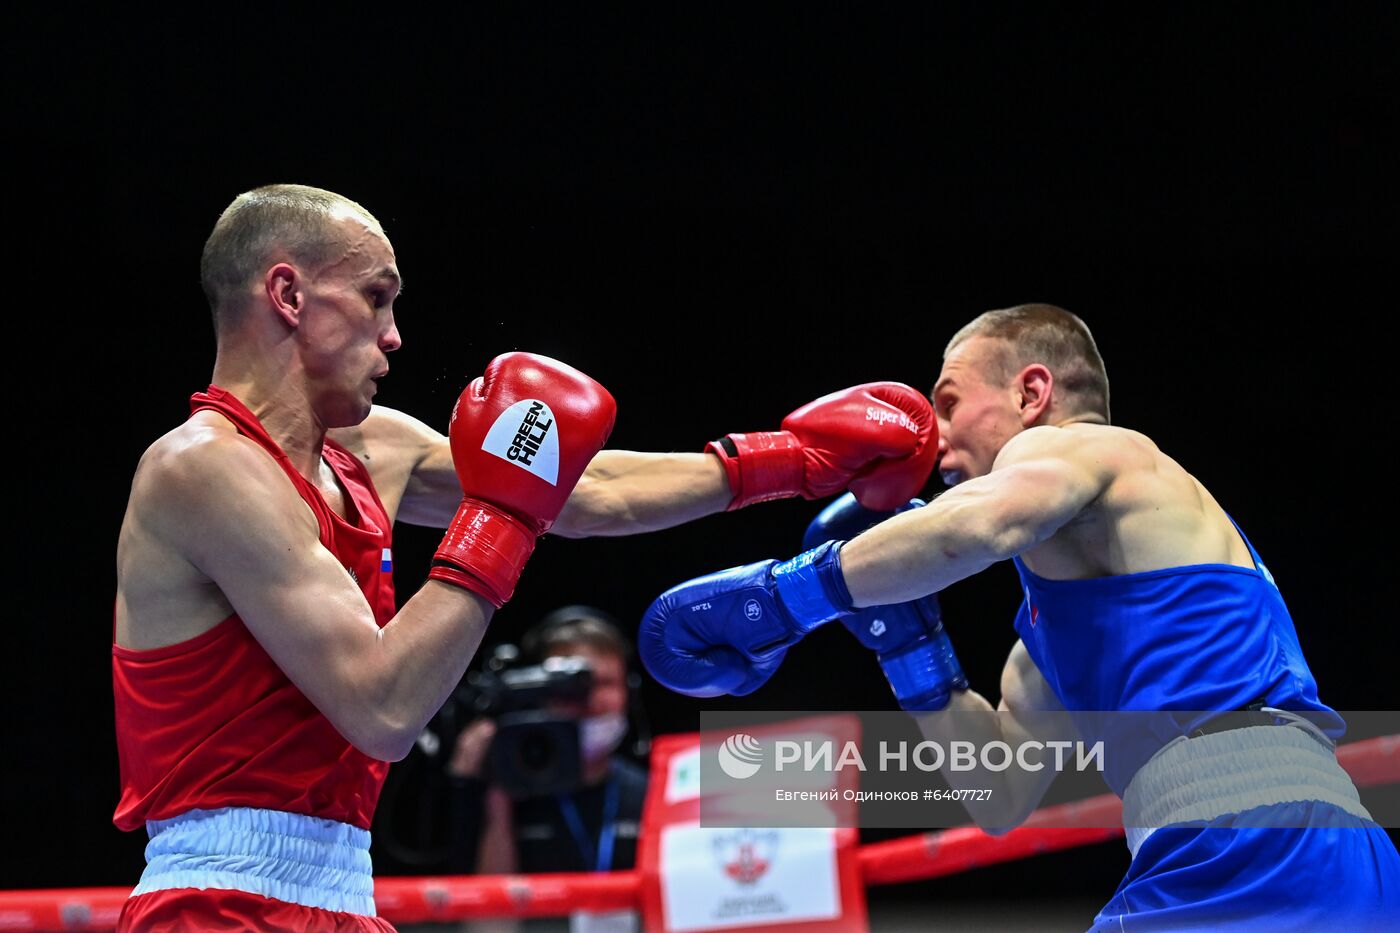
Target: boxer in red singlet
261, 675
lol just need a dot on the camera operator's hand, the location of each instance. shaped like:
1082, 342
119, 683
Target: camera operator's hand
469, 754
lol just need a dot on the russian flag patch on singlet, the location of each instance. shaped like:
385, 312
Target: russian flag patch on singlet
386, 561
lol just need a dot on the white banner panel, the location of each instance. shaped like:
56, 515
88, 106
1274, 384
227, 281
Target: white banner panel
717, 877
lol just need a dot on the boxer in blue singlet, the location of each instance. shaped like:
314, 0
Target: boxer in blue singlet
1141, 594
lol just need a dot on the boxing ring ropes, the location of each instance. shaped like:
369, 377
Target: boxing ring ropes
440, 899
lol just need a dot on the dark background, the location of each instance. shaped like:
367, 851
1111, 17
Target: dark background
720, 215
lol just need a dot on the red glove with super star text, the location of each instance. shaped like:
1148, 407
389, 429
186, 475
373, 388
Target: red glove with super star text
879, 439
521, 435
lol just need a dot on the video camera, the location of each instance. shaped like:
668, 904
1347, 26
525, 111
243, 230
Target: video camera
533, 752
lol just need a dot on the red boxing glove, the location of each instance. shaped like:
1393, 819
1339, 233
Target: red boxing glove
522, 435
879, 439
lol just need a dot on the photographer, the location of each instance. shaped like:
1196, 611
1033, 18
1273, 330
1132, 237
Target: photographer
591, 826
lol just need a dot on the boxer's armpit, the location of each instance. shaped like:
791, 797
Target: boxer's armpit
409, 463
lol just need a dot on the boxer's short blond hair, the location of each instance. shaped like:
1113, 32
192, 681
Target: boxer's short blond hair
267, 225
1046, 334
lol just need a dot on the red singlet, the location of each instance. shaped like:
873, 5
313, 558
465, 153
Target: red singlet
213, 722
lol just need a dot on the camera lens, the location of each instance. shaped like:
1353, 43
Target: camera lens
537, 751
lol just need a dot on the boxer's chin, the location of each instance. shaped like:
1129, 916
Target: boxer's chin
361, 414
350, 411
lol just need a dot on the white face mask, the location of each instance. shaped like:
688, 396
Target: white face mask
599, 735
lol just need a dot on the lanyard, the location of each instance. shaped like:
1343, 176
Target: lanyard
606, 835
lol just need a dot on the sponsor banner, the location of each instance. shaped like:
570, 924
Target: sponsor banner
781, 880
1254, 767
715, 879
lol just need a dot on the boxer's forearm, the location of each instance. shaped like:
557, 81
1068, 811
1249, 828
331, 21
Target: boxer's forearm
497, 853
1014, 793
968, 717
624, 492
414, 665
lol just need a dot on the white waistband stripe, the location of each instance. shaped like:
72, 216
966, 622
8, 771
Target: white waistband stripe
1199, 779
285, 856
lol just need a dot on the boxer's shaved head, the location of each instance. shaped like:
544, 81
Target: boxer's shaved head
1040, 333
275, 223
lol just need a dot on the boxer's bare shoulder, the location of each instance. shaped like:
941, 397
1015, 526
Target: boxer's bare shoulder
1150, 514
189, 492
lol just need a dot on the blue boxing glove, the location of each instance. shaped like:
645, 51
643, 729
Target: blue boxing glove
728, 632
908, 638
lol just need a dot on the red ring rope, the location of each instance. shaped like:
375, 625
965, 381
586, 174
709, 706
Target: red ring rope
926, 855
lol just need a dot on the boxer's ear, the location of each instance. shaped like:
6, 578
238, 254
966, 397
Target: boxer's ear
285, 291
1034, 386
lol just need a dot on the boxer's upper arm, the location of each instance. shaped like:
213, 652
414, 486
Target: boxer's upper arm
1023, 687
1042, 479
230, 510
1039, 483
1030, 711
433, 492
411, 463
